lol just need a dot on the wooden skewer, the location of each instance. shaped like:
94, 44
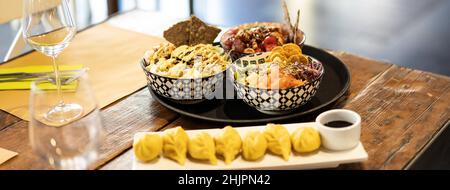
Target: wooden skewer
287, 18
296, 27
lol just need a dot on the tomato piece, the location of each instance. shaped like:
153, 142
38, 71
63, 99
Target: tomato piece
270, 47
270, 40
269, 43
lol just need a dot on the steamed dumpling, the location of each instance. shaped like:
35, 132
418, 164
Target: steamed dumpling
254, 146
148, 147
305, 140
278, 140
228, 144
202, 147
175, 144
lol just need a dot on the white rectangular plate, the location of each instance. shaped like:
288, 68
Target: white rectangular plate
320, 159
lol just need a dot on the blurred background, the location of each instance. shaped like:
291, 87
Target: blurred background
411, 33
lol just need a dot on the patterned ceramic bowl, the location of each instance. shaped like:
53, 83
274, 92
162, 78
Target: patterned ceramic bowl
184, 91
274, 101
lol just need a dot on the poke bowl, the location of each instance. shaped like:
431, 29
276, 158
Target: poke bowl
274, 89
185, 74
259, 37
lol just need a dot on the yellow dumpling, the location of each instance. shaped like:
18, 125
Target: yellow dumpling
305, 140
148, 147
228, 144
175, 144
278, 140
202, 147
254, 146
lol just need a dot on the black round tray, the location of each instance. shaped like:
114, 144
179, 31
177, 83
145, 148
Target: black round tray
335, 83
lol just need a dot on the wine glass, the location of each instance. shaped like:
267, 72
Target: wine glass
74, 145
48, 27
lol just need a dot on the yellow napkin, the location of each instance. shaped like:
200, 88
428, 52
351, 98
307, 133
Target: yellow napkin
5, 155
25, 84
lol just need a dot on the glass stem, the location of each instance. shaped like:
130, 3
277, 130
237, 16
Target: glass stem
58, 81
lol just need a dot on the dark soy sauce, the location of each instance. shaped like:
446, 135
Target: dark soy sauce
338, 124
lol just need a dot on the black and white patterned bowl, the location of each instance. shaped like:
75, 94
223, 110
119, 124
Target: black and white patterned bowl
274, 101
184, 91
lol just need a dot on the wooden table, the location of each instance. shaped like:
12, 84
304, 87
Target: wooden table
403, 111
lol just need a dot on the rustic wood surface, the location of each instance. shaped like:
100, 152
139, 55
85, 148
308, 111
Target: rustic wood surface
402, 111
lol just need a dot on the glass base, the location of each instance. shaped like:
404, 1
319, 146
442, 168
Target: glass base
64, 113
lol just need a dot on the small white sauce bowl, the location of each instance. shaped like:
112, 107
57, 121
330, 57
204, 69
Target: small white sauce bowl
343, 138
